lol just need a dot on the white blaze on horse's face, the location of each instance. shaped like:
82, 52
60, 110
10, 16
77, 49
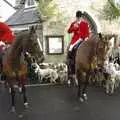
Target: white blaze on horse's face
39, 44
35, 47
111, 42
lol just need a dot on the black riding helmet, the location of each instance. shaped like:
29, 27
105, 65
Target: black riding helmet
78, 14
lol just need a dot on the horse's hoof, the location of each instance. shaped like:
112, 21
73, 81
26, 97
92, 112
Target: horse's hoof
13, 109
26, 105
81, 99
85, 96
20, 89
20, 116
69, 82
107, 92
110, 93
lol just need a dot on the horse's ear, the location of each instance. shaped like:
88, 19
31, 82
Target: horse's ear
35, 27
32, 29
100, 36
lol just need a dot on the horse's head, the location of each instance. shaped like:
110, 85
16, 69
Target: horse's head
103, 46
32, 44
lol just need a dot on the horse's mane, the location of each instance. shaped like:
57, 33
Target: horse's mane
13, 53
17, 46
20, 40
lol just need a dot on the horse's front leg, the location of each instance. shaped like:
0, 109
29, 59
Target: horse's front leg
12, 91
79, 93
6, 82
22, 83
84, 91
112, 86
24, 96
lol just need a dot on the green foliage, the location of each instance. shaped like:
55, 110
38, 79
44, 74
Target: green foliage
47, 8
111, 11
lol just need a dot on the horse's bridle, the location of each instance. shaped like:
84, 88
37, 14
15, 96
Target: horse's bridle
97, 53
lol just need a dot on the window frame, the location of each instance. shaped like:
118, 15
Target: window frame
29, 6
47, 44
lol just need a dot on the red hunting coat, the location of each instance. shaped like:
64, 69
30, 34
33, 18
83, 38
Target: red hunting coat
80, 32
6, 34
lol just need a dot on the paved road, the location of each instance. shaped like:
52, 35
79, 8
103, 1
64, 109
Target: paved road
59, 103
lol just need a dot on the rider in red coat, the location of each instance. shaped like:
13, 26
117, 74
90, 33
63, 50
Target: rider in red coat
6, 34
80, 30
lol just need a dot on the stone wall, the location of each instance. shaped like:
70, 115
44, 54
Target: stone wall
68, 9
55, 58
51, 27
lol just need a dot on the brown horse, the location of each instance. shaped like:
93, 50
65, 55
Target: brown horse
90, 55
14, 61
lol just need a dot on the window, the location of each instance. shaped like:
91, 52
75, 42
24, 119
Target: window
30, 3
55, 44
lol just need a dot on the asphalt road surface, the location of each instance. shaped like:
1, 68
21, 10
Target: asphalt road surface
60, 103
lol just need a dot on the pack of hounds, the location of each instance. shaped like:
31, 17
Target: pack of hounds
50, 72
108, 77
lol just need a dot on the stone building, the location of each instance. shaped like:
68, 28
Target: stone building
52, 32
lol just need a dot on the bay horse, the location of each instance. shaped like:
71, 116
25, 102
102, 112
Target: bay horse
90, 55
14, 62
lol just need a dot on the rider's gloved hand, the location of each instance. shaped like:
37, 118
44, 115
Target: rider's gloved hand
86, 38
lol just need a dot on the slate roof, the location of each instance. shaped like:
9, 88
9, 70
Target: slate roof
24, 16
